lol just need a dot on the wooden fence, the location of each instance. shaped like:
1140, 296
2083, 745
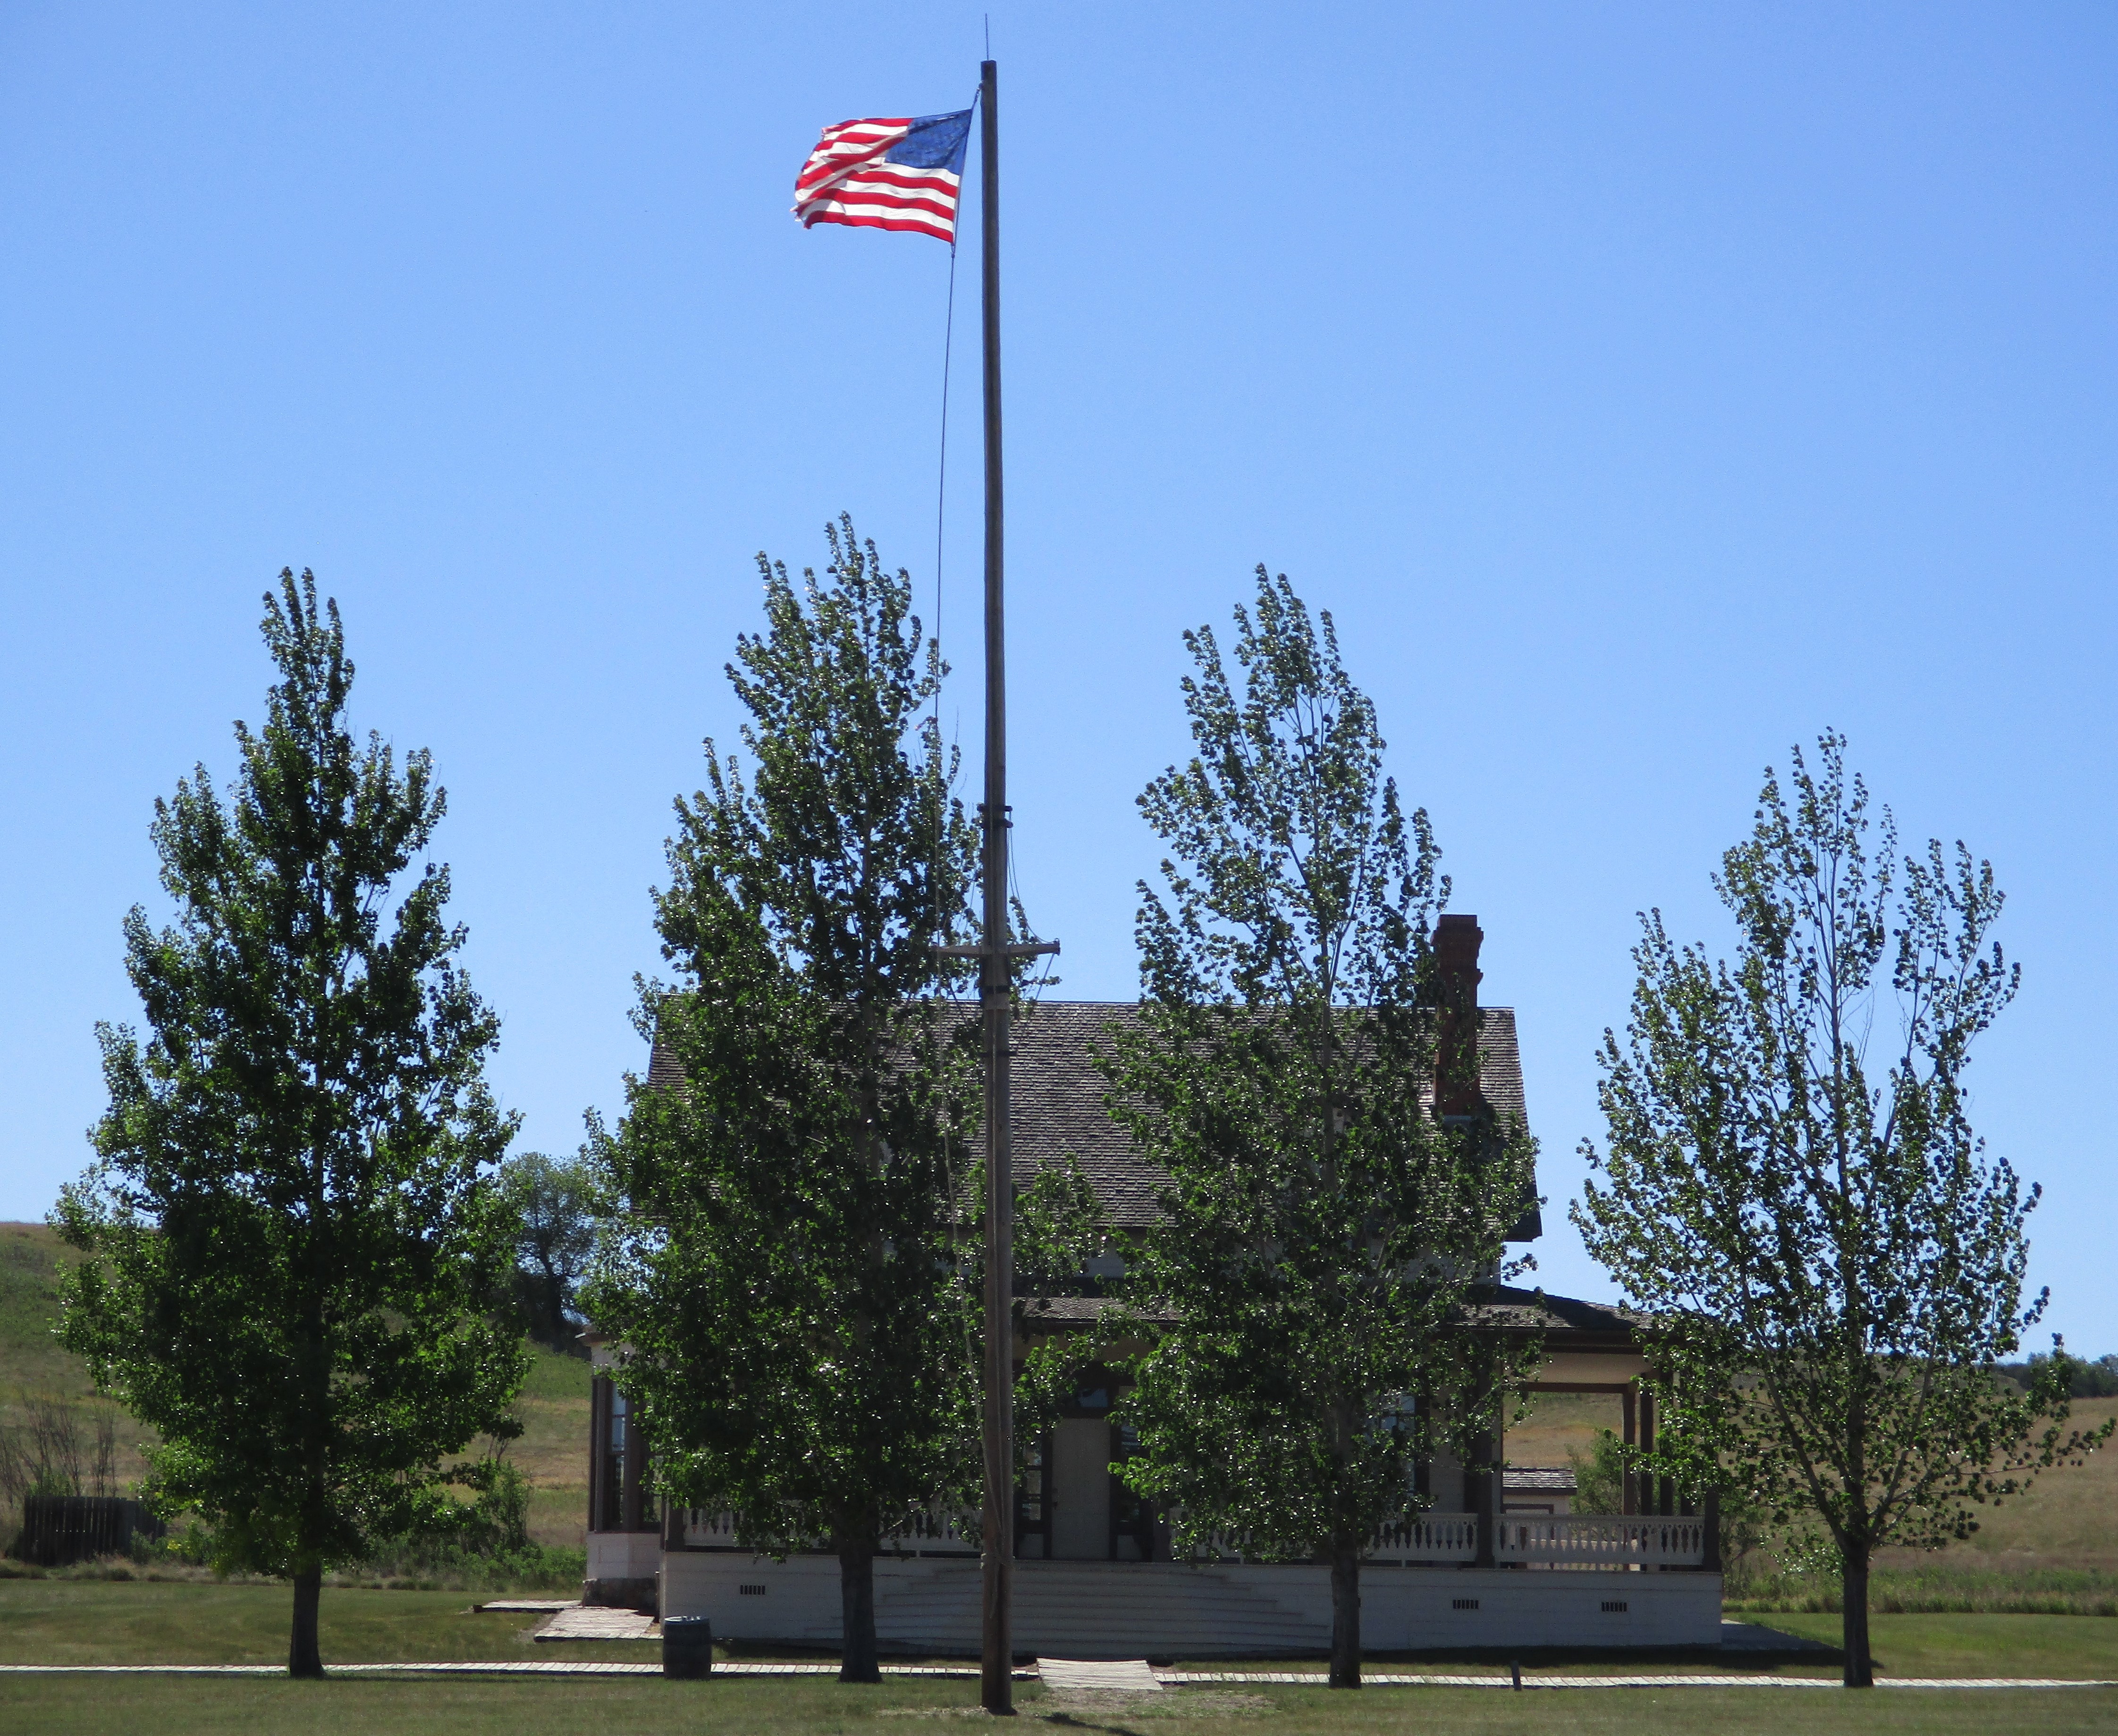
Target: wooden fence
58, 1529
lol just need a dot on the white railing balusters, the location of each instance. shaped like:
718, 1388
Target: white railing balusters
1581, 1539
931, 1532
1586, 1540
1428, 1537
708, 1530
1542, 1539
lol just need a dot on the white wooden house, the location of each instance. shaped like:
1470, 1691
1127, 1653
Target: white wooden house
1492, 1561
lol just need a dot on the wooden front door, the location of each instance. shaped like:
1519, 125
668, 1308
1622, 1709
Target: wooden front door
1081, 1485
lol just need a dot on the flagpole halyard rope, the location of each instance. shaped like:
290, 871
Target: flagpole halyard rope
940, 503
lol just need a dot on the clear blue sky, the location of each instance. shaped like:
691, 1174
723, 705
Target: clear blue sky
1643, 388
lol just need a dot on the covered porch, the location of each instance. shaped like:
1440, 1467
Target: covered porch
1072, 1506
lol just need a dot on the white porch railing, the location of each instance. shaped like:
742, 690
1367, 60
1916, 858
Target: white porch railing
932, 1533
1572, 1540
1594, 1540
1428, 1537
702, 1529
1575, 1540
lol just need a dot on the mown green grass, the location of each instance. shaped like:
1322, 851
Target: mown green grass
57, 1621
2073, 1647
78, 1621
500, 1707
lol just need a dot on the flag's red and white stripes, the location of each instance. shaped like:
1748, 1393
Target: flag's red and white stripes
847, 180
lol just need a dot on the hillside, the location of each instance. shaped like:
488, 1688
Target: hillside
34, 1368
2068, 1520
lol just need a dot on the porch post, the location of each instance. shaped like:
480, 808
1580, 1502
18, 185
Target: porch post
1649, 1485
1665, 1486
599, 1448
1629, 1498
1487, 1480
632, 1516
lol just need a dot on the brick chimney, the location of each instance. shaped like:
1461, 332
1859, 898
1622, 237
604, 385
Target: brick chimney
1456, 941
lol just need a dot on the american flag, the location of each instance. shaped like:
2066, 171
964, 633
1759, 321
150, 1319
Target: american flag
887, 174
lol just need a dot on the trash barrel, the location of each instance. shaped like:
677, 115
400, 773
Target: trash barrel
687, 1647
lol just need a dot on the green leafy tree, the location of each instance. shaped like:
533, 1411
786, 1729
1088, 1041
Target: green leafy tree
1323, 1231
1793, 1187
290, 1237
1599, 1475
552, 1204
782, 1262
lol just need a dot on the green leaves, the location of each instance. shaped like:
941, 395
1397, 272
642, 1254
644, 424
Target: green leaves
291, 1240
1301, 875
1793, 1185
550, 1205
847, 849
781, 1259
1322, 1229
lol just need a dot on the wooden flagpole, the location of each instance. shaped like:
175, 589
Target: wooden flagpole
997, 1652
996, 955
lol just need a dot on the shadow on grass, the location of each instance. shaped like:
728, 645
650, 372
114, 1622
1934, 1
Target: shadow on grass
1781, 1649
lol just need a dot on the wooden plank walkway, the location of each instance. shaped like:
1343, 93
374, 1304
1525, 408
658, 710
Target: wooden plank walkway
1070, 1675
1163, 1678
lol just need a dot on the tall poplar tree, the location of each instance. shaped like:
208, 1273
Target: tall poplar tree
1323, 1233
783, 1261
290, 1238
1792, 1187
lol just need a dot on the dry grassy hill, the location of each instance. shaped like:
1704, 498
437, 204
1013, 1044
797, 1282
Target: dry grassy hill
2069, 1520
36, 1373
1558, 1421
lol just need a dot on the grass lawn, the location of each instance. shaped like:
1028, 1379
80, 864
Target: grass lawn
178, 1707
90, 1621
2074, 1646
93, 1621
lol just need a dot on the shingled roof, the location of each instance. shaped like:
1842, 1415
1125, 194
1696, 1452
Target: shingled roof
1513, 1309
1058, 1101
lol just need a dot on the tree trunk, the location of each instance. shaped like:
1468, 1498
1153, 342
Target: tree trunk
303, 1657
1860, 1664
1345, 1615
857, 1657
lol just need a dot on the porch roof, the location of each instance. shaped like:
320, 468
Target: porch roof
1567, 1323
1582, 1325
